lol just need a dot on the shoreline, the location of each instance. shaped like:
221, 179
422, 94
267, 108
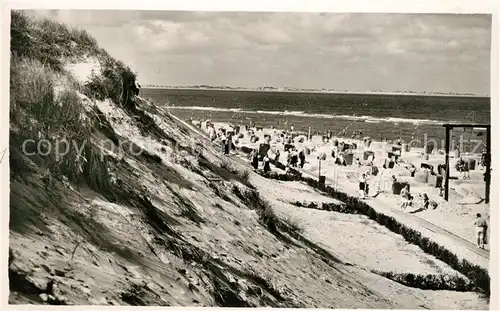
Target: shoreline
365, 119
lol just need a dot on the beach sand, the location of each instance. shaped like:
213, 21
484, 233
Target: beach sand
455, 216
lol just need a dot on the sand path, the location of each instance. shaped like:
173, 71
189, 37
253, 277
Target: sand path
454, 243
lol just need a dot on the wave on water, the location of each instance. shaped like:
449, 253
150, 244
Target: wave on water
368, 119
294, 112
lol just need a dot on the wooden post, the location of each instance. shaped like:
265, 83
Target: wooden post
447, 164
488, 166
309, 134
488, 157
334, 178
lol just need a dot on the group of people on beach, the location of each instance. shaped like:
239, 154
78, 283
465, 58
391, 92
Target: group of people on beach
297, 158
228, 139
463, 167
254, 159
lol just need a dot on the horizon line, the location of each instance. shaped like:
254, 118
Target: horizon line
308, 90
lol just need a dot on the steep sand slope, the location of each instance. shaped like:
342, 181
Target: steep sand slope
156, 216
191, 242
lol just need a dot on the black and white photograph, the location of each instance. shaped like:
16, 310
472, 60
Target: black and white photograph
251, 159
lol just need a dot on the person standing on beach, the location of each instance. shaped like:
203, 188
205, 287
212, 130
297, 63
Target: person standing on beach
227, 145
342, 160
267, 166
405, 194
223, 139
466, 170
211, 132
294, 158
484, 157
367, 186
302, 158
463, 167
457, 152
413, 169
426, 201
362, 185
481, 227
410, 199
255, 159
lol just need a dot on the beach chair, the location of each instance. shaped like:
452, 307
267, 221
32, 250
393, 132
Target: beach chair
389, 164
395, 149
349, 158
398, 186
264, 149
441, 168
428, 149
426, 166
422, 177
435, 181
368, 155
471, 163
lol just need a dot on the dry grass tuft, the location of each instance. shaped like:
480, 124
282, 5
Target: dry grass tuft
45, 121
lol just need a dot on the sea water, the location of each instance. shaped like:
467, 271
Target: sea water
415, 119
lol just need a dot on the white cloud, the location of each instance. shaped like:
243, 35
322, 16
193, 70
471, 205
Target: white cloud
452, 43
197, 37
394, 47
288, 48
166, 26
142, 31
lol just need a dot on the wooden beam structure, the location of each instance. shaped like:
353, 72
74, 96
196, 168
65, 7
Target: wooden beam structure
450, 127
447, 164
488, 165
481, 126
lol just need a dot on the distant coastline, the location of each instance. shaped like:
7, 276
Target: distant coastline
314, 91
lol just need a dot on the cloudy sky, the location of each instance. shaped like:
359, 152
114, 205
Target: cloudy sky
356, 52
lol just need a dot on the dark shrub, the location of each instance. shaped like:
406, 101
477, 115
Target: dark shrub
478, 276
371, 214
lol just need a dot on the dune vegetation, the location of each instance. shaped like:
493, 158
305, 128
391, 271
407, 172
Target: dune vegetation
114, 201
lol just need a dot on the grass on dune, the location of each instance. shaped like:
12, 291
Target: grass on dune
54, 44
47, 41
43, 118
